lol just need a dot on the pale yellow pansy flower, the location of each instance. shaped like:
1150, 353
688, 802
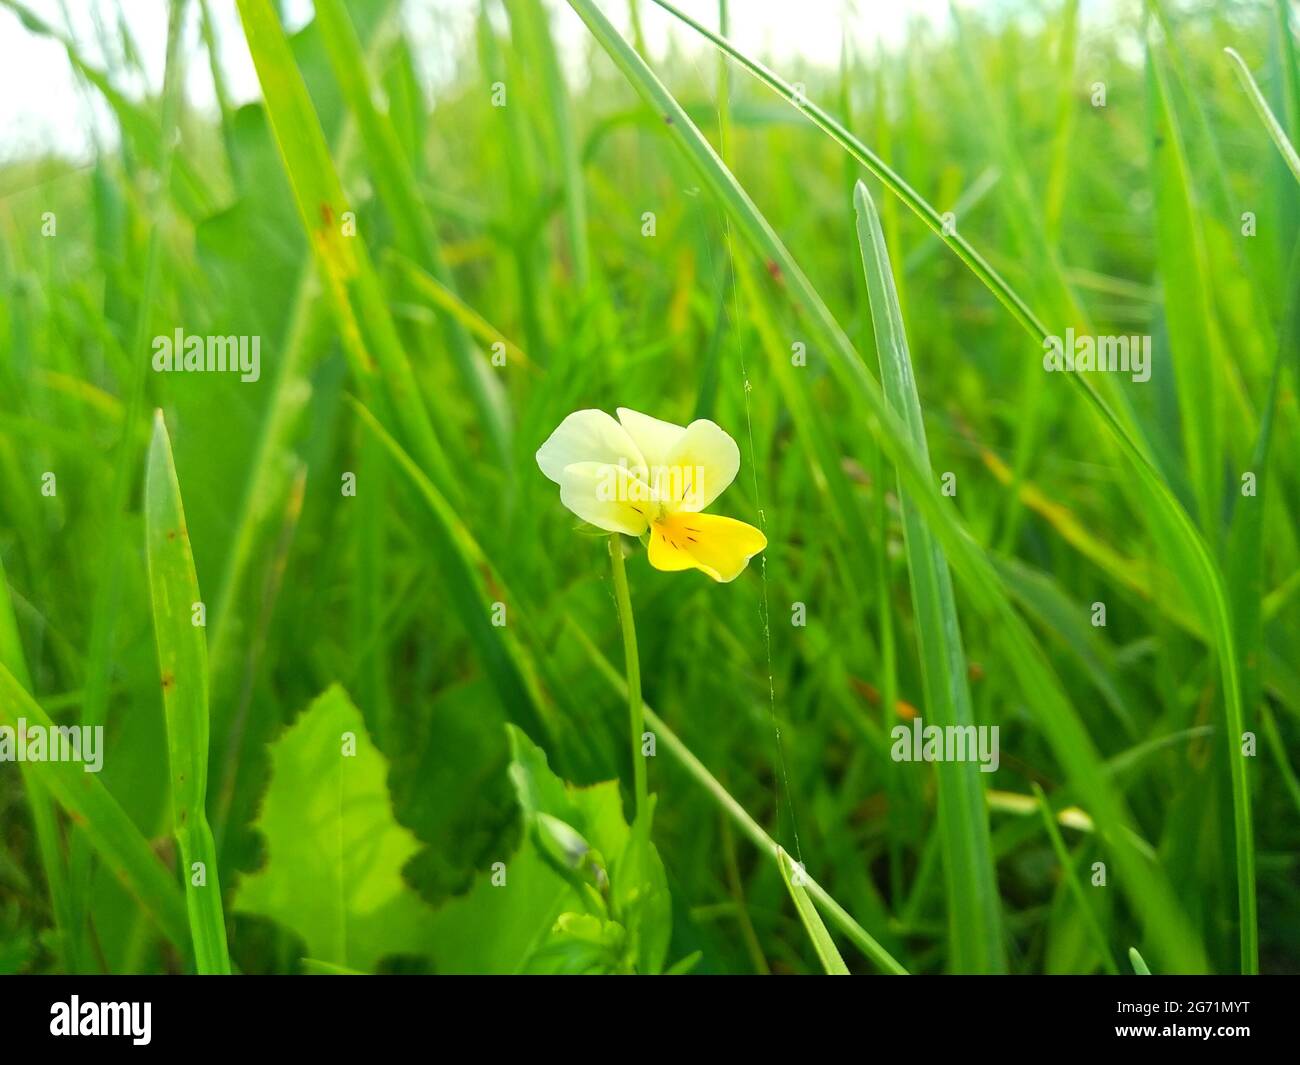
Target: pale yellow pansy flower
640, 474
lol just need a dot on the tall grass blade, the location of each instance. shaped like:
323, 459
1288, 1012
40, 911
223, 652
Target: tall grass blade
1189, 314
974, 920
183, 666
1266, 116
375, 351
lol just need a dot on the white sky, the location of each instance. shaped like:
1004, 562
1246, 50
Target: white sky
42, 105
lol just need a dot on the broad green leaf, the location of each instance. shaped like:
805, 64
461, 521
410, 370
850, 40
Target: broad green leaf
639, 895
499, 926
543, 910
334, 852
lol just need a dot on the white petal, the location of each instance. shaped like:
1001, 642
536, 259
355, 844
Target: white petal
705, 461
606, 496
654, 438
589, 436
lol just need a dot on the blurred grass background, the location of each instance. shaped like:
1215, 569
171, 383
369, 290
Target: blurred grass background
523, 226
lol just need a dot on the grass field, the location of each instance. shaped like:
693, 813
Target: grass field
373, 699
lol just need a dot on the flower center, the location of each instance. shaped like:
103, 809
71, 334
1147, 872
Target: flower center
677, 527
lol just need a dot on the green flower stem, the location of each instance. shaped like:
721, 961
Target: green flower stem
636, 713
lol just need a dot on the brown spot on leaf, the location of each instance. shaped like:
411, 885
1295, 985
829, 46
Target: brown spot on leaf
493, 589
902, 707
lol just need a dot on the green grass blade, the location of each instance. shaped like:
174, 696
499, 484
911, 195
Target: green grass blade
1278, 749
183, 666
1246, 552
1266, 116
794, 878
974, 920
1189, 314
1090, 920
413, 227
445, 298
375, 350
1288, 58
1139, 966
107, 828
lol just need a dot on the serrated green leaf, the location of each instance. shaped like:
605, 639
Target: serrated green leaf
333, 872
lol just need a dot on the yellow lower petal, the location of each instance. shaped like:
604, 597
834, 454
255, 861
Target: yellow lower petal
718, 546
